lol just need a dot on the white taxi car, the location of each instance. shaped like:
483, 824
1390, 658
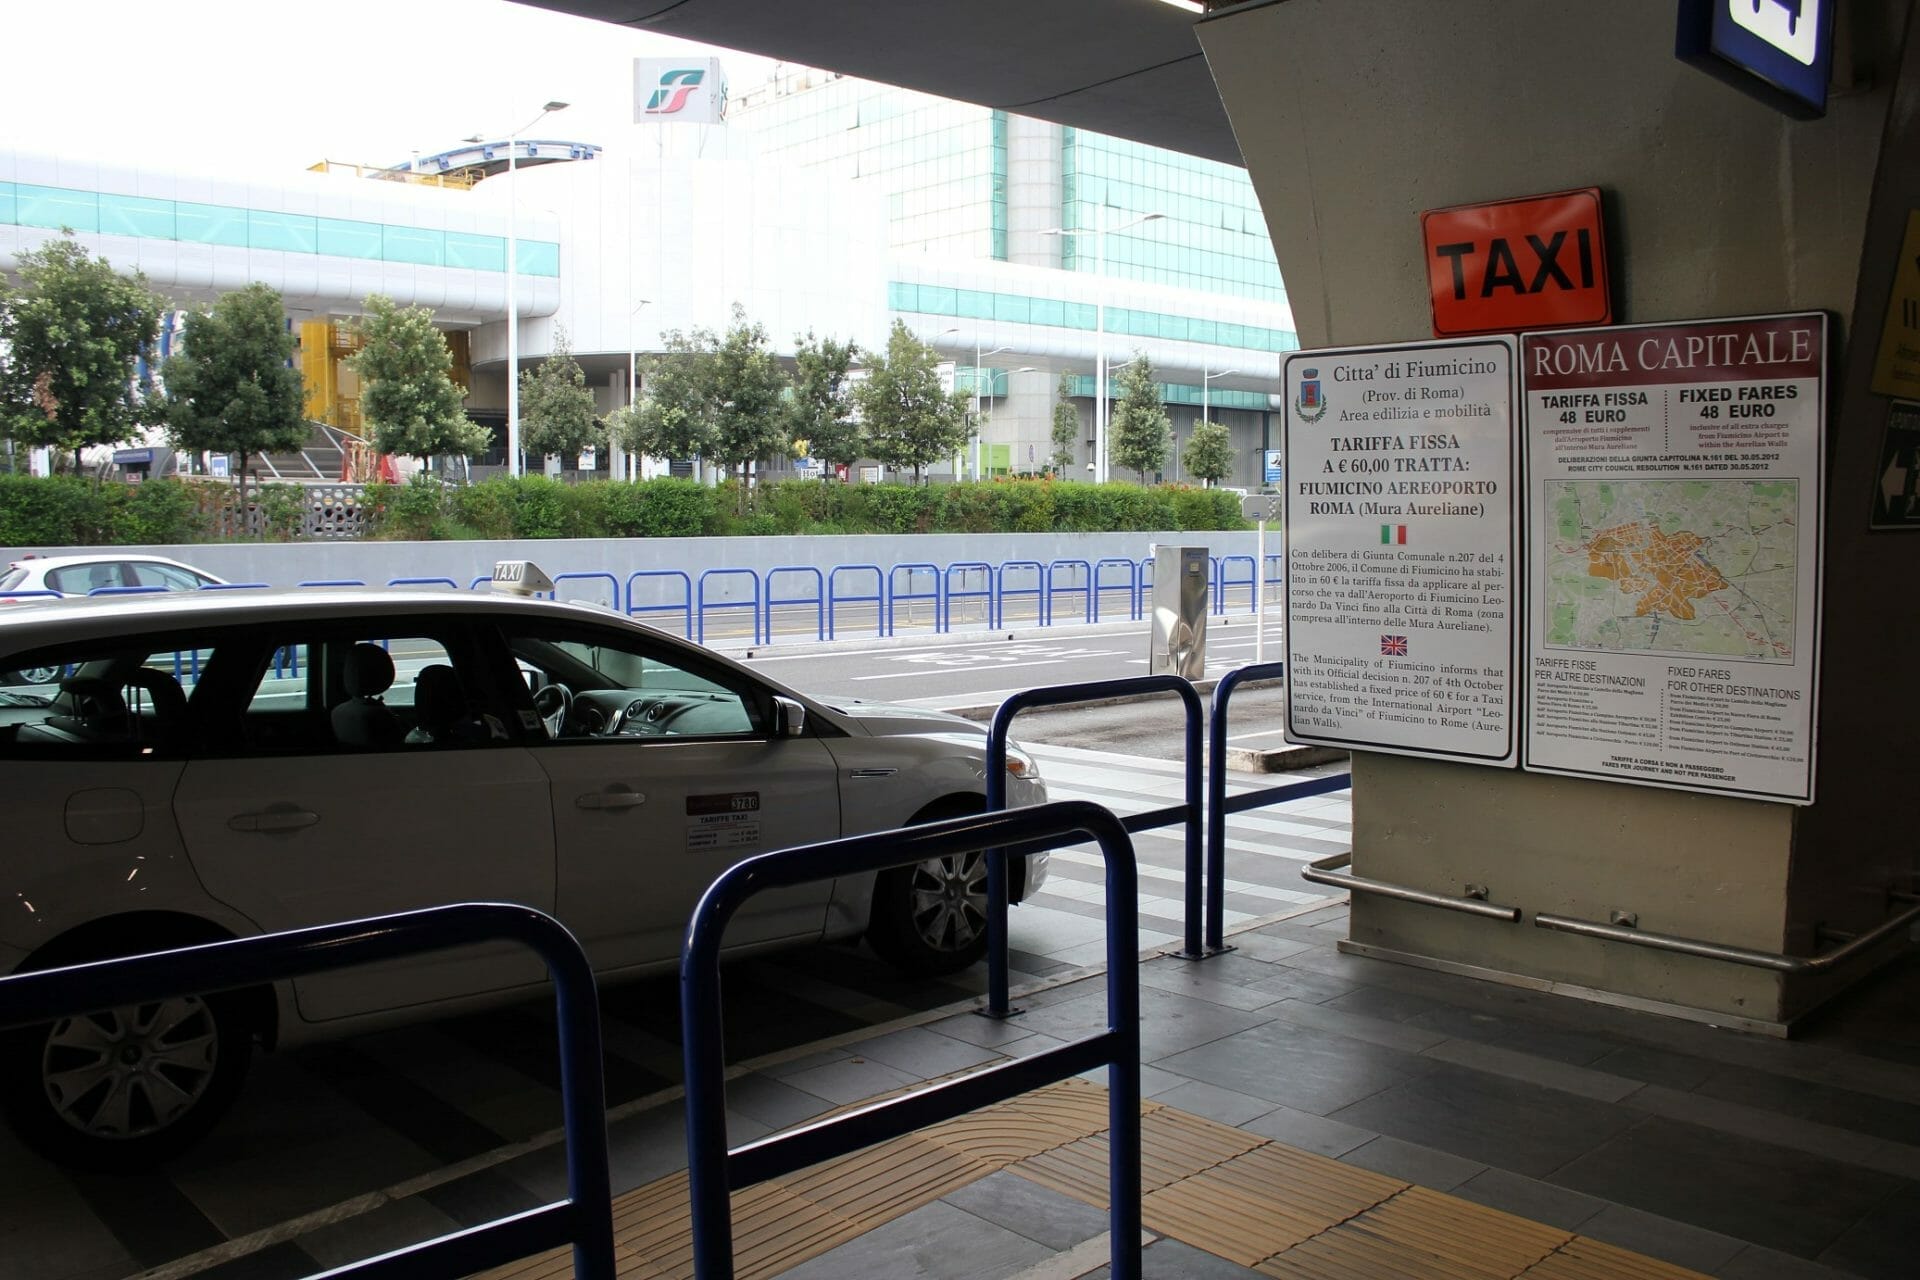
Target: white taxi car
216, 765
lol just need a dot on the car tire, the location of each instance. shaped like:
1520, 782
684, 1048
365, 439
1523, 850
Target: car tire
129, 1088
33, 675
930, 918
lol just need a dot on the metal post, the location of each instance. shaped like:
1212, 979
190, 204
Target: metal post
1216, 877
513, 304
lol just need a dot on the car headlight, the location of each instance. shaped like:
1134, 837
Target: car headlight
1022, 765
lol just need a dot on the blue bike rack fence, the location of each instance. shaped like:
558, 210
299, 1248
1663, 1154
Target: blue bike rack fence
1037, 590
583, 1220
1084, 586
236, 586
878, 599
594, 576
684, 608
449, 583
713, 1171
1131, 586
1188, 810
818, 599
895, 595
1227, 581
333, 582
1219, 806
752, 602
985, 591
126, 591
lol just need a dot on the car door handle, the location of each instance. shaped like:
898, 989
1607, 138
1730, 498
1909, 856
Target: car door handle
274, 819
611, 798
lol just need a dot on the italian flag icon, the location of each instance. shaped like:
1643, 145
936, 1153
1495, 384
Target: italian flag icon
1393, 534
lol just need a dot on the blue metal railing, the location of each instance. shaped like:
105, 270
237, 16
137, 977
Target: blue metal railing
237, 586
1188, 810
1131, 586
127, 591
1084, 585
703, 605
334, 582
895, 595
970, 569
1219, 806
714, 1171
1225, 580
595, 576
878, 599
685, 607
1037, 590
425, 582
583, 1220
818, 599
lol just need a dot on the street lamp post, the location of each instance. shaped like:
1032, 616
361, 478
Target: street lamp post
618, 461
1099, 235
513, 287
978, 356
1206, 385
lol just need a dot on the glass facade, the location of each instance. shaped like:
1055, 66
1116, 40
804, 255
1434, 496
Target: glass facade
102, 213
978, 304
1176, 393
942, 165
1211, 235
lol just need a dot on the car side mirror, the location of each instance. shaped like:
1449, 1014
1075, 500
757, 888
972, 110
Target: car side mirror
789, 718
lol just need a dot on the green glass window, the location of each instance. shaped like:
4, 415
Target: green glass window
57, 207
9, 206
136, 216
537, 257
421, 246
342, 238
210, 224
287, 232
478, 253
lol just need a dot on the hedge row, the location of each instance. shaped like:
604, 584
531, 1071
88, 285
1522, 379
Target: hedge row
537, 507
62, 511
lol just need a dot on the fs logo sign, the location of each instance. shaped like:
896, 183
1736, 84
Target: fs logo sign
676, 87
675, 90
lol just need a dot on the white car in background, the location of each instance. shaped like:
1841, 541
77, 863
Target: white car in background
223, 764
30, 576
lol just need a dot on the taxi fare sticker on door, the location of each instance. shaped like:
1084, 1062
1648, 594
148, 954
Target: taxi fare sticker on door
727, 821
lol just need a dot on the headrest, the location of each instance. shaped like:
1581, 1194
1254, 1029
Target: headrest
438, 697
369, 671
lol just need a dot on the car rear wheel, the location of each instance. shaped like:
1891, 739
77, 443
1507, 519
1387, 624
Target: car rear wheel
125, 1088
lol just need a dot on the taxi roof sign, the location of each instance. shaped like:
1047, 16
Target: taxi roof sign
1535, 262
520, 578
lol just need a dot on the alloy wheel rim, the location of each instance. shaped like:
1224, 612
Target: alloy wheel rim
123, 1073
949, 900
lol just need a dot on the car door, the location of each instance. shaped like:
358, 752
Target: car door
314, 800
664, 772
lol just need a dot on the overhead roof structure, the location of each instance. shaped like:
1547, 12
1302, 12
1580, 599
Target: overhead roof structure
1132, 68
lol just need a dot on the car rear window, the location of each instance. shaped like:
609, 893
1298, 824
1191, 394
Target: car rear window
12, 578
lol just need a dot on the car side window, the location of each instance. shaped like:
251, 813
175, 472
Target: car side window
590, 685
400, 688
100, 700
164, 575
78, 579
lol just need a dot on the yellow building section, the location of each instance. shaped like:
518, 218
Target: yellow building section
459, 179
333, 389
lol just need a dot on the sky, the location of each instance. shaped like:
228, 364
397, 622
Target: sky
253, 88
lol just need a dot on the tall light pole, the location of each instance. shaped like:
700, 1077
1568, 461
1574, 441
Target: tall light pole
513, 287
619, 458
1099, 235
1206, 385
978, 356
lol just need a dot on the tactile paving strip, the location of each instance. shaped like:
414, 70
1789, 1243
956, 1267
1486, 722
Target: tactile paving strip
1281, 1211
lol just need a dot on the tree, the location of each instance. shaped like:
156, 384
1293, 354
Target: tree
910, 420
556, 408
1209, 453
1066, 426
233, 388
750, 420
1140, 431
672, 420
821, 410
71, 335
408, 397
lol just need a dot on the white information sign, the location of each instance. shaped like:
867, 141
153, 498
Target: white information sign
1401, 548
1677, 483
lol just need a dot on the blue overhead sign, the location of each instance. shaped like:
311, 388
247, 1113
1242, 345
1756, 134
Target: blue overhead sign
1779, 51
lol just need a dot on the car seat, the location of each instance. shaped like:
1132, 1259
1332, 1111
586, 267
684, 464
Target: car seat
162, 719
441, 712
364, 720
102, 575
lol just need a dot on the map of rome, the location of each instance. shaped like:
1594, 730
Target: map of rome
1701, 568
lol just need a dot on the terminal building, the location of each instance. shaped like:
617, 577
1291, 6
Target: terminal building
822, 205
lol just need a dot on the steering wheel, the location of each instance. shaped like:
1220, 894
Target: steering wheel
553, 703
646, 716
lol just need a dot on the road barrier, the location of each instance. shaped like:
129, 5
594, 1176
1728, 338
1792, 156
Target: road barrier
703, 605
684, 608
1187, 811
714, 1171
583, 1220
878, 599
818, 599
1219, 806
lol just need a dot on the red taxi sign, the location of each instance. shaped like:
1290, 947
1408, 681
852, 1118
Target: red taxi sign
1538, 262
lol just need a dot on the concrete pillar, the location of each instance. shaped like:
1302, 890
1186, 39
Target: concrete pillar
1033, 191
1355, 116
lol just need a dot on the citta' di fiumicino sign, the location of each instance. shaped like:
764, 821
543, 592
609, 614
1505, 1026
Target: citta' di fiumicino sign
1401, 548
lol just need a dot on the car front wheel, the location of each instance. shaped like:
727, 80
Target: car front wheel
125, 1088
